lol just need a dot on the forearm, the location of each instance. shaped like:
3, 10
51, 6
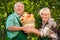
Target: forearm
35, 31
14, 28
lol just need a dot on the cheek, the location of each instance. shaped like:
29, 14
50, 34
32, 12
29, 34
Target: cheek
22, 9
16, 9
47, 16
44, 17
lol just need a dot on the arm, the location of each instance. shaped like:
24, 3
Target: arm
10, 24
52, 31
37, 32
34, 31
14, 28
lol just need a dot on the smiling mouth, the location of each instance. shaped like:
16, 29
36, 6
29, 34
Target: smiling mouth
19, 10
44, 18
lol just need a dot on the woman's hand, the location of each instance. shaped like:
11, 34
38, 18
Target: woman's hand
32, 30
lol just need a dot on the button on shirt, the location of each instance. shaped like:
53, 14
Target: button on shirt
12, 21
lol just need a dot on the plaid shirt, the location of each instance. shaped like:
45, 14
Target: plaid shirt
49, 29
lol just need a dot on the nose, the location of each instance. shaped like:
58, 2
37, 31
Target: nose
21, 6
43, 16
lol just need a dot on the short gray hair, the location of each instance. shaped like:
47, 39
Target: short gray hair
18, 3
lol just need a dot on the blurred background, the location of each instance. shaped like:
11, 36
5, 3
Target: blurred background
31, 6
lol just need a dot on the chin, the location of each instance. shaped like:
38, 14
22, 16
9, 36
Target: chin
44, 20
19, 12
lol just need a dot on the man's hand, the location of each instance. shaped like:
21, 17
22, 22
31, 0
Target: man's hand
27, 29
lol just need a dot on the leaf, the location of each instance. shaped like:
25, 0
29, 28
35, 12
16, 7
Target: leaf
5, 15
2, 26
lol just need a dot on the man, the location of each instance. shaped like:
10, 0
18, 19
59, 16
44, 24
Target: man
13, 25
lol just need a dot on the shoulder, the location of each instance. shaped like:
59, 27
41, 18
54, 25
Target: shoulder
10, 17
51, 21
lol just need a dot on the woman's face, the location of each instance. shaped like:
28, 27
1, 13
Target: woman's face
44, 16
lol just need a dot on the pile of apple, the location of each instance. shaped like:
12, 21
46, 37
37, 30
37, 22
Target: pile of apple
28, 20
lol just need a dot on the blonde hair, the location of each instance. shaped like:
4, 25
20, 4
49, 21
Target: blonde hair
47, 10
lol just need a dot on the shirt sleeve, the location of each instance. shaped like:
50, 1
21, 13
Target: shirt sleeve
9, 22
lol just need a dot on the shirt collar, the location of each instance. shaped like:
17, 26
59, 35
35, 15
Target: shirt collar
49, 20
16, 15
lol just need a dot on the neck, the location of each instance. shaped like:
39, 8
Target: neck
20, 14
44, 21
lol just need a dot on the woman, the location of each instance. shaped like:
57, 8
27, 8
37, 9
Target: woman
48, 27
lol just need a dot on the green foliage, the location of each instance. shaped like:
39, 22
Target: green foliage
31, 6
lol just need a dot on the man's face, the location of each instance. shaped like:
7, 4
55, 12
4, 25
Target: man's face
19, 8
44, 16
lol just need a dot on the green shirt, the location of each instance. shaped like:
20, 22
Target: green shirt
12, 20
